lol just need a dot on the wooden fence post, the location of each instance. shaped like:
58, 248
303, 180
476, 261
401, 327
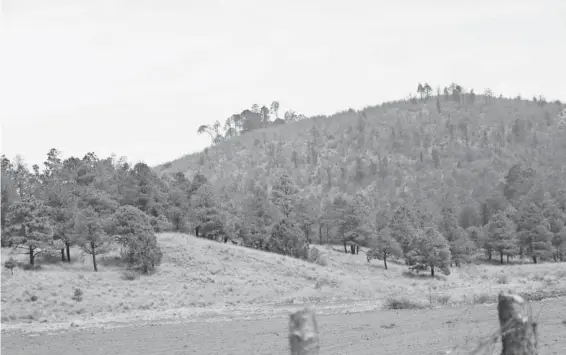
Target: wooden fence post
303, 333
519, 332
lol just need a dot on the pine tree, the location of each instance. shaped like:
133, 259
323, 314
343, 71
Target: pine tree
206, 214
461, 247
501, 235
431, 249
92, 237
29, 228
385, 246
284, 194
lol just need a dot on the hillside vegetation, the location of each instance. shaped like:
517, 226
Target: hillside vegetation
456, 168
431, 184
200, 277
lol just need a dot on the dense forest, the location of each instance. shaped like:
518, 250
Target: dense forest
436, 179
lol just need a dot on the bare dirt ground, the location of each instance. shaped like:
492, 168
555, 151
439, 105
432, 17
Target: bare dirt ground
428, 331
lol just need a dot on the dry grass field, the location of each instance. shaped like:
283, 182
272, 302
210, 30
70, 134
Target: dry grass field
199, 279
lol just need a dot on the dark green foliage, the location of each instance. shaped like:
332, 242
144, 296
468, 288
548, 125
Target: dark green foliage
91, 233
431, 249
135, 234
10, 264
288, 239
385, 246
501, 235
339, 178
29, 228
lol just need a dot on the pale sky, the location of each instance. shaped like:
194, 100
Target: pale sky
137, 77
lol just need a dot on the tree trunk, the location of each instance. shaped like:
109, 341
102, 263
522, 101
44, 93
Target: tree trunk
432, 270
31, 256
507, 259
320, 233
93, 256
357, 249
345, 248
534, 259
501, 257
68, 245
385, 260
63, 255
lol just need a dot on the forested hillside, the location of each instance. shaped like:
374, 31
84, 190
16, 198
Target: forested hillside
450, 168
436, 179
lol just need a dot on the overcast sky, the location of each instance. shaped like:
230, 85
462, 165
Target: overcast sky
137, 77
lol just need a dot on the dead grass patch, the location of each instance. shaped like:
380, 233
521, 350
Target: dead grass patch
197, 273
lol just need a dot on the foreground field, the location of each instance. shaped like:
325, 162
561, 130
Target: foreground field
425, 332
203, 279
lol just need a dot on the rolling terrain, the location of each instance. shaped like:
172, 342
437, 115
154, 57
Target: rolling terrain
201, 279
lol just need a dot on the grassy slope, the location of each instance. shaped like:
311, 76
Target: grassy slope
198, 276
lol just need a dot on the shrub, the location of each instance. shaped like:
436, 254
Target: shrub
142, 253
402, 303
77, 295
10, 264
502, 279
484, 298
316, 257
129, 275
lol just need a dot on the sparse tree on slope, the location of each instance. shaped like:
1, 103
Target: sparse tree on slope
386, 246
427, 90
420, 90
92, 236
275, 108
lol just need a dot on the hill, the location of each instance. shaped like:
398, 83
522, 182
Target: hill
434, 184
455, 157
200, 278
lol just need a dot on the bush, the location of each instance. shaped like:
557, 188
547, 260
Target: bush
139, 244
29, 267
10, 264
484, 298
502, 279
316, 257
142, 253
77, 295
402, 303
129, 275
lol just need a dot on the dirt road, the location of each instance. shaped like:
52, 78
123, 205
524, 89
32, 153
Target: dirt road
423, 332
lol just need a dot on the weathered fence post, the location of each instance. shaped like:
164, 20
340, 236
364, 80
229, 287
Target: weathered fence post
303, 333
519, 333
